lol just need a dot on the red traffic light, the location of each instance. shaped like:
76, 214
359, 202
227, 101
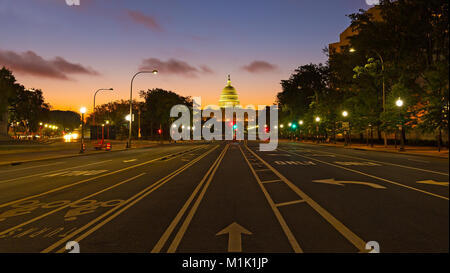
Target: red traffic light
159, 131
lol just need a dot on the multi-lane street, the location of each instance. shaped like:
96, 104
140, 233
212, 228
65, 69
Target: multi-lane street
227, 197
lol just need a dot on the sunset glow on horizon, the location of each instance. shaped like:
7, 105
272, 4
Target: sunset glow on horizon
71, 51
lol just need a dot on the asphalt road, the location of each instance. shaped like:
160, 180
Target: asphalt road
227, 197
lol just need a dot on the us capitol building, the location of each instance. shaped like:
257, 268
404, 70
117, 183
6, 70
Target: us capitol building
229, 96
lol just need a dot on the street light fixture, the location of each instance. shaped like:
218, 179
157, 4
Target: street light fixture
82, 111
346, 127
154, 72
399, 104
93, 108
300, 122
317, 128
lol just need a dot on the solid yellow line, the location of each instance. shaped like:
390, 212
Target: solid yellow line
68, 205
87, 180
382, 162
162, 241
372, 176
284, 226
179, 236
340, 227
289, 203
124, 206
271, 181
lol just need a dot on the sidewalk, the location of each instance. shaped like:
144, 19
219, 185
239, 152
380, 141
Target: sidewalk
412, 150
20, 153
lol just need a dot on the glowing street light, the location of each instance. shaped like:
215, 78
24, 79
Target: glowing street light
82, 111
128, 117
344, 114
300, 122
289, 124
317, 119
399, 103
281, 125
154, 72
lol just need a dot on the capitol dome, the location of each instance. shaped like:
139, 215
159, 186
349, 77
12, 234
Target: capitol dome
229, 96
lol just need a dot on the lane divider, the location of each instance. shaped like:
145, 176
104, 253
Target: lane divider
178, 237
382, 162
339, 226
87, 180
284, 226
369, 175
123, 206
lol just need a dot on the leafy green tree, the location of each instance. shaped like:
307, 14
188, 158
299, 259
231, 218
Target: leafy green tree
27, 108
156, 110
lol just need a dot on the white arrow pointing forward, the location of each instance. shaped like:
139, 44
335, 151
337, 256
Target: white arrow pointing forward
432, 182
234, 236
341, 183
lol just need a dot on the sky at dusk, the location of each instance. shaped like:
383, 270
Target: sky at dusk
71, 51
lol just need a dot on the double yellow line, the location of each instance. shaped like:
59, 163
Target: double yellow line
122, 207
205, 182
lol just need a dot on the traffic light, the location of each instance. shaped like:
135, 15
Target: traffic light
159, 131
234, 126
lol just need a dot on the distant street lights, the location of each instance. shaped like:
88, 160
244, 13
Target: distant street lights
154, 71
82, 111
399, 104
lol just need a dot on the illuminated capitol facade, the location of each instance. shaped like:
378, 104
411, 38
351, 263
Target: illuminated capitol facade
229, 96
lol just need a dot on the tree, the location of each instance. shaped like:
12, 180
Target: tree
69, 120
115, 112
8, 87
27, 108
156, 110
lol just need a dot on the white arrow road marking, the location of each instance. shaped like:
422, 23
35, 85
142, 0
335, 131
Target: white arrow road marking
341, 183
130, 160
432, 182
234, 232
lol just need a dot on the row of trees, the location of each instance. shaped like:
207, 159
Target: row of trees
406, 53
25, 110
151, 117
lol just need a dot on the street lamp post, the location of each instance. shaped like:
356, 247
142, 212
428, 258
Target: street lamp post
93, 108
399, 104
346, 129
317, 128
82, 111
131, 102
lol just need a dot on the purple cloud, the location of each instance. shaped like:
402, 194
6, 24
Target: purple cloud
259, 67
32, 64
145, 20
173, 66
